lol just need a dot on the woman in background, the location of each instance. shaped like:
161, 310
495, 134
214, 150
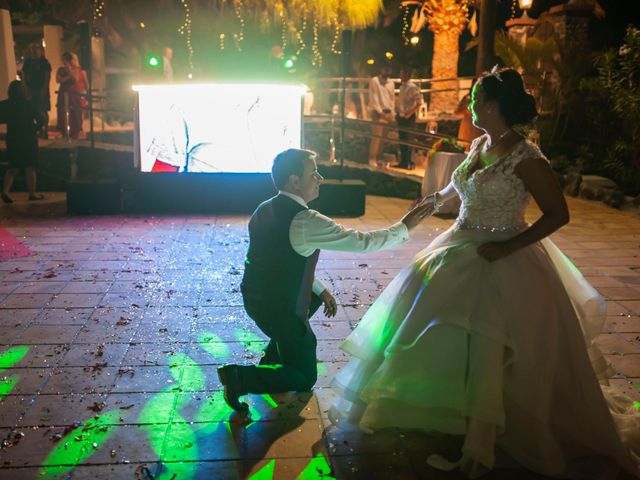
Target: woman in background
70, 78
23, 122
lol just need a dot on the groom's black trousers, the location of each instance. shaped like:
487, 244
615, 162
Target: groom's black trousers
289, 362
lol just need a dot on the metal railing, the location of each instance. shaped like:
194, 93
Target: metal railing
328, 91
331, 124
98, 102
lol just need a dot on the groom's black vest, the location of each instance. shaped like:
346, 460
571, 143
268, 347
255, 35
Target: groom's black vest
275, 276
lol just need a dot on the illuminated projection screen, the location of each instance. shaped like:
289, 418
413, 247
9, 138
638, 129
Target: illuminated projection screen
216, 127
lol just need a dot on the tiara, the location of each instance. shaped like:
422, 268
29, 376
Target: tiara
495, 72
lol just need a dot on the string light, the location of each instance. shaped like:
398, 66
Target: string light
336, 37
185, 29
222, 41
316, 60
301, 44
513, 9
283, 34
98, 11
239, 37
405, 24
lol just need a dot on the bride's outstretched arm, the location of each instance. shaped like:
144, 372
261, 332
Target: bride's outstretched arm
438, 198
538, 179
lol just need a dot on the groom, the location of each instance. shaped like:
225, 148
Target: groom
279, 290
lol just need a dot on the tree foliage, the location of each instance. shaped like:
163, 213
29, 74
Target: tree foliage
620, 78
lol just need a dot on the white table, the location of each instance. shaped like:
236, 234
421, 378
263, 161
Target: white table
437, 175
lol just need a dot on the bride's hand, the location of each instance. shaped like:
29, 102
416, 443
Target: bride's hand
413, 218
493, 251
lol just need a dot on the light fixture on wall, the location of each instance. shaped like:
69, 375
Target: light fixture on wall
524, 6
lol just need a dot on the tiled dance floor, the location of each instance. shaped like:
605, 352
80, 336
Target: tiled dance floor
110, 335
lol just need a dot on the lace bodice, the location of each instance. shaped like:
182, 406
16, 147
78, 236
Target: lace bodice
493, 198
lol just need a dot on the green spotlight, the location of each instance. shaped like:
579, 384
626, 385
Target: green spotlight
153, 61
290, 63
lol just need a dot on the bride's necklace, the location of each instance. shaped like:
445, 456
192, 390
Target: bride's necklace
502, 135
485, 161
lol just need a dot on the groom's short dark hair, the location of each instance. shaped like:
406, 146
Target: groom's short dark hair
289, 162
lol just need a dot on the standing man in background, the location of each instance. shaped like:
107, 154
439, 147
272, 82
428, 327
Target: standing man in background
167, 68
409, 101
382, 105
36, 74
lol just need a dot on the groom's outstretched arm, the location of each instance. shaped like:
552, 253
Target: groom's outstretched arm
310, 231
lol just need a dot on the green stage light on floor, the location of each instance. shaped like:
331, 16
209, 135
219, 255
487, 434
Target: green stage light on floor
12, 356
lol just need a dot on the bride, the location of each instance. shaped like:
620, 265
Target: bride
489, 332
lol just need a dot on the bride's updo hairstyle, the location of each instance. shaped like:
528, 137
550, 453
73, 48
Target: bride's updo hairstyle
506, 87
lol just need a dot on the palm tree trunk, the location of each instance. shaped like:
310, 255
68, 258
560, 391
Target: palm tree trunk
487, 31
445, 65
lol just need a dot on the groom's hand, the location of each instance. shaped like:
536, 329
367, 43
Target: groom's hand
330, 306
413, 218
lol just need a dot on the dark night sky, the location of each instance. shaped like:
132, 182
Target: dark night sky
603, 33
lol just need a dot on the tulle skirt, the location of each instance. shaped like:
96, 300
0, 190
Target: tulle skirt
500, 352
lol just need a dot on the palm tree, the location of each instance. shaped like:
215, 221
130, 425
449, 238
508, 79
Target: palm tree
446, 19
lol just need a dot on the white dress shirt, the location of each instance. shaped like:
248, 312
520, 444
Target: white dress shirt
310, 231
167, 69
381, 97
409, 97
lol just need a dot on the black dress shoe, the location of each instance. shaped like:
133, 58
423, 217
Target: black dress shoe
6, 198
230, 379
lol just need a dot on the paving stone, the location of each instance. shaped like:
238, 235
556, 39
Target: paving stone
39, 356
112, 471
197, 442
50, 334
61, 410
13, 409
131, 443
289, 468
25, 381
82, 355
144, 379
373, 467
30, 447
158, 354
28, 473
86, 287
8, 287
40, 287
92, 378
26, 300
283, 438
63, 316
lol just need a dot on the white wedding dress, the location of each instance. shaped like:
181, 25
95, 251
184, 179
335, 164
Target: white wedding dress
500, 352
